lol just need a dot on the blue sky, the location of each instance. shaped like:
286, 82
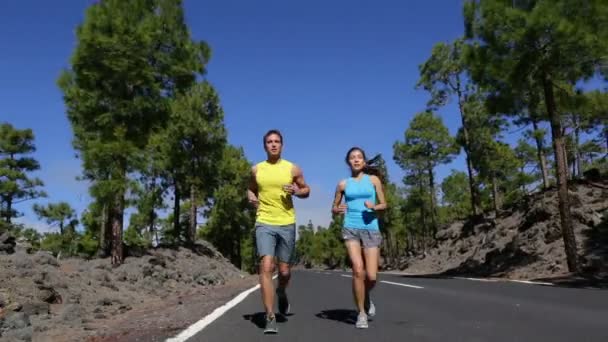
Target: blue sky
328, 74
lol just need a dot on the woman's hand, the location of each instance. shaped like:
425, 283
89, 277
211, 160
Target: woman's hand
341, 209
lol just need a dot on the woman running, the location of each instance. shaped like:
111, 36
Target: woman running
363, 196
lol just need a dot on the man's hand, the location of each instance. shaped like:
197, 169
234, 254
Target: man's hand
291, 189
299, 188
253, 199
252, 189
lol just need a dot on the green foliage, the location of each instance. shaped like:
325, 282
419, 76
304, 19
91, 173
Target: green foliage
323, 248
427, 144
16, 185
304, 247
68, 244
231, 218
192, 143
136, 238
445, 76
60, 214
538, 47
32, 237
495, 161
456, 195
132, 59
88, 244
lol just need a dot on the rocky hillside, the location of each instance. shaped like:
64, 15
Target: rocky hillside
524, 242
42, 298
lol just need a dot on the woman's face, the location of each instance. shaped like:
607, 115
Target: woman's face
356, 160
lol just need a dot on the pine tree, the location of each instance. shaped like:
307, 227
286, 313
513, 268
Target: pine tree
16, 185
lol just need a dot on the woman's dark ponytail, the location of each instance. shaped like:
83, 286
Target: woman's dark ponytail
371, 166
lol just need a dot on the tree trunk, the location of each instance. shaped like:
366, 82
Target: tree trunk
411, 241
238, 260
105, 243
118, 217
432, 199
475, 200
176, 211
193, 210
151, 223
117, 223
152, 213
562, 176
565, 154
573, 171
606, 136
523, 186
496, 195
422, 212
577, 153
542, 159
9, 198
9, 209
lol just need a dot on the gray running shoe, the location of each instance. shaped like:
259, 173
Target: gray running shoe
371, 310
284, 306
368, 305
361, 321
271, 325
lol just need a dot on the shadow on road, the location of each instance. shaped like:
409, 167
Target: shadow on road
259, 319
340, 315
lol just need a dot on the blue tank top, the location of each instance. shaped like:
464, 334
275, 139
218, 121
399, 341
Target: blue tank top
356, 192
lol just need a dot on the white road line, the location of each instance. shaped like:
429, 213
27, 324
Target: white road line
217, 313
496, 280
390, 282
530, 282
476, 279
401, 284
489, 280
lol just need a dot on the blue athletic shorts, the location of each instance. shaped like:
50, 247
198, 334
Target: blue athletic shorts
279, 241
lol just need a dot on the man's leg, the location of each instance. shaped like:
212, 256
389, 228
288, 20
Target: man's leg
266, 243
266, 271
285, 252
284, 274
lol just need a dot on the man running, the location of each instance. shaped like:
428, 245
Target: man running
273, 183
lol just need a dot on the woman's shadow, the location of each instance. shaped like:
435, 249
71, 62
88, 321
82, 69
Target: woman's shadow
339, 315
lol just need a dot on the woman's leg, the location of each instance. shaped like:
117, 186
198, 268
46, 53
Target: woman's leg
371, 266
354, 253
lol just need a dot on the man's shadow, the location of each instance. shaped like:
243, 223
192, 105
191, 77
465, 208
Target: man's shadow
259, 319
339, 315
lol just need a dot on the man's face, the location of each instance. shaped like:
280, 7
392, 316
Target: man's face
273, 145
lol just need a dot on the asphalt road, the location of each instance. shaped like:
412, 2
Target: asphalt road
422, 309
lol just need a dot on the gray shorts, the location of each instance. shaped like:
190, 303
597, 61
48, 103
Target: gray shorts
367, 238
279, 241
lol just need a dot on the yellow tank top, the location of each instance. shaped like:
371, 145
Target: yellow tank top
275, 205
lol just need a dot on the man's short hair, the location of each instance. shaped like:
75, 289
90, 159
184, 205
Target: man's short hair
269, 133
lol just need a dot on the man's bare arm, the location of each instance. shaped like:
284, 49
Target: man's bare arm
302, 190
252, 189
